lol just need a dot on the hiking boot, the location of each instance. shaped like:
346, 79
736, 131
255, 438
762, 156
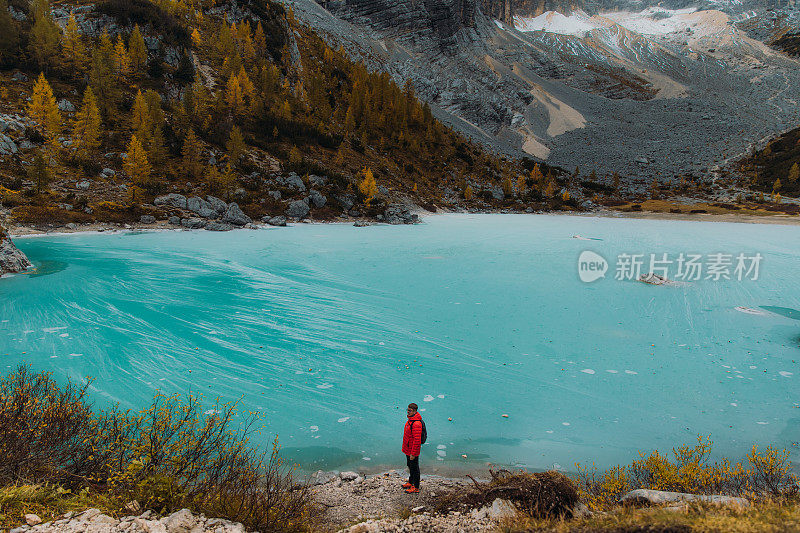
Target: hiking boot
412, 490
407, 485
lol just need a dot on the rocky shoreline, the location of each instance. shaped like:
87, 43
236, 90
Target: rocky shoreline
11, 259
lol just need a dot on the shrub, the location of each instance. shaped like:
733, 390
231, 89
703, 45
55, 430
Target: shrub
767, 475
167, 456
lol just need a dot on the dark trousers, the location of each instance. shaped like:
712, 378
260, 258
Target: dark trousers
413, 470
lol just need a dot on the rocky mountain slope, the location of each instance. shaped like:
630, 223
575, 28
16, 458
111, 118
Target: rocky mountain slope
648, 94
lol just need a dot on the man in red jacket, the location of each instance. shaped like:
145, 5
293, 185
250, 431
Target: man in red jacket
412, 441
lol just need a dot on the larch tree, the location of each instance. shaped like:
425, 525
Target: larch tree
234, 96
140, 118
73, 50
121, 59
235, 145
156, 149
44, 35
136, 164
794, 173
260, 40
101, 76
40, 172
368, 186
521, 185
9, 34
196, 39
44, 109
137, 50
191, 152
87, 130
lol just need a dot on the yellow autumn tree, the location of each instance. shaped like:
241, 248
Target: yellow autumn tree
469, 194
72, 48
368, 186
136, 164
137, 50
521, 185
235, 145
86, 133
44, 109
794, 173
191, 152
234, 95
196, 39
121, 61
140, 118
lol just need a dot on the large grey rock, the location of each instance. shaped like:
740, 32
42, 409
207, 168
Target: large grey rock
298, 209
276, 195
182, 521
217, 205
147, 219
218, 226
7, 145
196, 203
317, 181
193, 223
399, 214
171, 200
66, 106
317, 198
207, 212
321, 477
279, 220
11, 259
234, 215
293, 181
347, 201
662, 497
348, 476
501, 510
108, 173
175, 221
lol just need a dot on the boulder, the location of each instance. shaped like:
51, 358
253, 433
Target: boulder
347, 201
650, 497
182, 521
11, 259
66, 106
322, 477
7, 146
349, 476
147, 219
175, 221
317, 181
298, 209
361, 223
279, 220
317, 198
108, 173
32, 519
276, 195
171, 200
400, 214
234, 215
71, 226
218, 226
217, 205
501, 510
293, 181
207, 212
193, 223
196, 203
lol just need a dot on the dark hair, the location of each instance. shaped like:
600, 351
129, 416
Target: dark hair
413, 406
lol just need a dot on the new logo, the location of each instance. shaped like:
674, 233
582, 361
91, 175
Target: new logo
591, 266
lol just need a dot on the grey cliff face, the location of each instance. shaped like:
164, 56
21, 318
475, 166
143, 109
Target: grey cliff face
11, 259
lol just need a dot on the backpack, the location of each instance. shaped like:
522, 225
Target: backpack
424, 436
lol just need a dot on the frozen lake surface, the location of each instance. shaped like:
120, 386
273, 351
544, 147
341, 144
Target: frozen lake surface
331, 330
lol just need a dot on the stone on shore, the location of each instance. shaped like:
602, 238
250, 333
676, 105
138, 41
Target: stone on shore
234, 215
219, 206
279, 220
648, 496
171, 200
317, 198
193, 223
11, 259
298, 209
147, 219
218, 226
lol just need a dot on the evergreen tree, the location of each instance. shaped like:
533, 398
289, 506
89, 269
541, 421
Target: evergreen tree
521, 185
86, 133
196, 39
794, 174
9, 35
45, 34
73, 50
121, 60
140, 118
101, 76
191, 152
368, 186
468, 193
234, 96
156, 149
136, 164
44, 110
137, 51
40, 173
235, 145
259, 41
777, 185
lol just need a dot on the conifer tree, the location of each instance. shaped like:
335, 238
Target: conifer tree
521, 185
45, 34
136, 164
137, 50
101, 76
86, 134
156, 150
259, 41
44, 110
9, 34
140, 118
776, 186
235, 145
196, 39
72, 47
121, 59
794, 173
191, 152
39, 172
368, 186
468, 193
234, 95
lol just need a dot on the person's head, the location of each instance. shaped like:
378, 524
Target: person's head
412, 408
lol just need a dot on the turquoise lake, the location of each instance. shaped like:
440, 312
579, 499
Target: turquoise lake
331, 330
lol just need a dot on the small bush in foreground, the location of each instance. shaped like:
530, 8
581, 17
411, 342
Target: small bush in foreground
167, 456
767, 474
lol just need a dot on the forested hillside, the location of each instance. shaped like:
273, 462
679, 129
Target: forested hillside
107, 105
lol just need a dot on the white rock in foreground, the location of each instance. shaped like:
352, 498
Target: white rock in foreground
11, 259
660, 497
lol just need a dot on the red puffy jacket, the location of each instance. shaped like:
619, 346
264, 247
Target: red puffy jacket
412, 435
